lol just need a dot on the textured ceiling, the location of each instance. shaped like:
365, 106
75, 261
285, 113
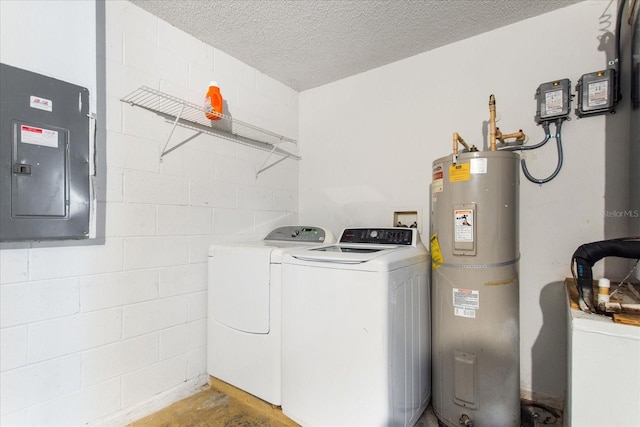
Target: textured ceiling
308, 43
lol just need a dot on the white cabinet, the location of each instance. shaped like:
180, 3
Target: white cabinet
603, 369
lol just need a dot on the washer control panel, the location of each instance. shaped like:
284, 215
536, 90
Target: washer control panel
379, 236
294, 233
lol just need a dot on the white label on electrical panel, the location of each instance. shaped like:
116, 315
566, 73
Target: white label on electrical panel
465, 302
554, 102
598, 93
463, 219
479, 165
40, 103
38, 136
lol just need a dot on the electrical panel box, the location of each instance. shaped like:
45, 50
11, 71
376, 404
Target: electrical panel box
553, 100
44, 157
596, 93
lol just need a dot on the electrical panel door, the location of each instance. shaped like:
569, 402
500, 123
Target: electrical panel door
44, 157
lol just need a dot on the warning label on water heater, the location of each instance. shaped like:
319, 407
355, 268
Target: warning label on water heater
459, 172
437, 178
436, 253
463, 225
465, 302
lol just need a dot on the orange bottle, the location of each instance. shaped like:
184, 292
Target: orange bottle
213, 102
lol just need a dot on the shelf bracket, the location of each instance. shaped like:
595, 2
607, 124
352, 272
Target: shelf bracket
262, 167
175, 123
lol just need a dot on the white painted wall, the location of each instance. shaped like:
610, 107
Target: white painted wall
109, 333
368, 143
32, 38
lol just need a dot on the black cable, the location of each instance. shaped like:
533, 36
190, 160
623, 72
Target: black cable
635, 58
531, 178
588, 254
620, 12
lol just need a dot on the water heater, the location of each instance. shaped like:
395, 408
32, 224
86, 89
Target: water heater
475, 288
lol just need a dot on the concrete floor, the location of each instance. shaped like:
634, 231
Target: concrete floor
220, 404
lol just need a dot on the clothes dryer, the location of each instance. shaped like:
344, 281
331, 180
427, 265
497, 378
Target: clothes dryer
244, 309
356, 322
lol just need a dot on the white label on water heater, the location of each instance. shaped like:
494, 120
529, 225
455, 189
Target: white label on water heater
463, 312
479, 165
465, 302
463, 225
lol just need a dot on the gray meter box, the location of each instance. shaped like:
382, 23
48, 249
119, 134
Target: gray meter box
553, 101
44, 157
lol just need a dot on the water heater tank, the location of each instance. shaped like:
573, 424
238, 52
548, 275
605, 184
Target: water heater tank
475, 297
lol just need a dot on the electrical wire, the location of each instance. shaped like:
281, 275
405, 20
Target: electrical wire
523, 163
624, 281
635, 56
620, 12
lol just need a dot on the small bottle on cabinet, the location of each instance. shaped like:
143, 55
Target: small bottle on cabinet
213, 102
603, 290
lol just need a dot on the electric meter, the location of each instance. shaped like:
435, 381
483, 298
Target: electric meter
596, 93
553, 100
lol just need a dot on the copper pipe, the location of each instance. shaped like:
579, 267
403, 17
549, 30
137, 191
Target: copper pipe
492, 122
519, 136
457, 139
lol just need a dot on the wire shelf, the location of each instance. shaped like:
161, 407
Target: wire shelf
192, 116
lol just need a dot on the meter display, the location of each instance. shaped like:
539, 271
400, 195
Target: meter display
553, 100
596, 93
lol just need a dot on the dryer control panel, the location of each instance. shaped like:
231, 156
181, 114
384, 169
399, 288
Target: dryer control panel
296, 233
380, 236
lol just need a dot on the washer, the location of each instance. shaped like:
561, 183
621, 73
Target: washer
356, 346
244, 290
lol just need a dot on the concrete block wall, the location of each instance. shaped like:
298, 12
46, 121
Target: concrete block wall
109, 333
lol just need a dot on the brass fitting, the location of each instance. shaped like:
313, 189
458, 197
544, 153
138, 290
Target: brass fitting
457, 139
519, 136
492, 122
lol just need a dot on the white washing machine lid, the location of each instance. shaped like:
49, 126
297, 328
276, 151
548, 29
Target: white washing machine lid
364, 258
283, 239
367, 249
344, 254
